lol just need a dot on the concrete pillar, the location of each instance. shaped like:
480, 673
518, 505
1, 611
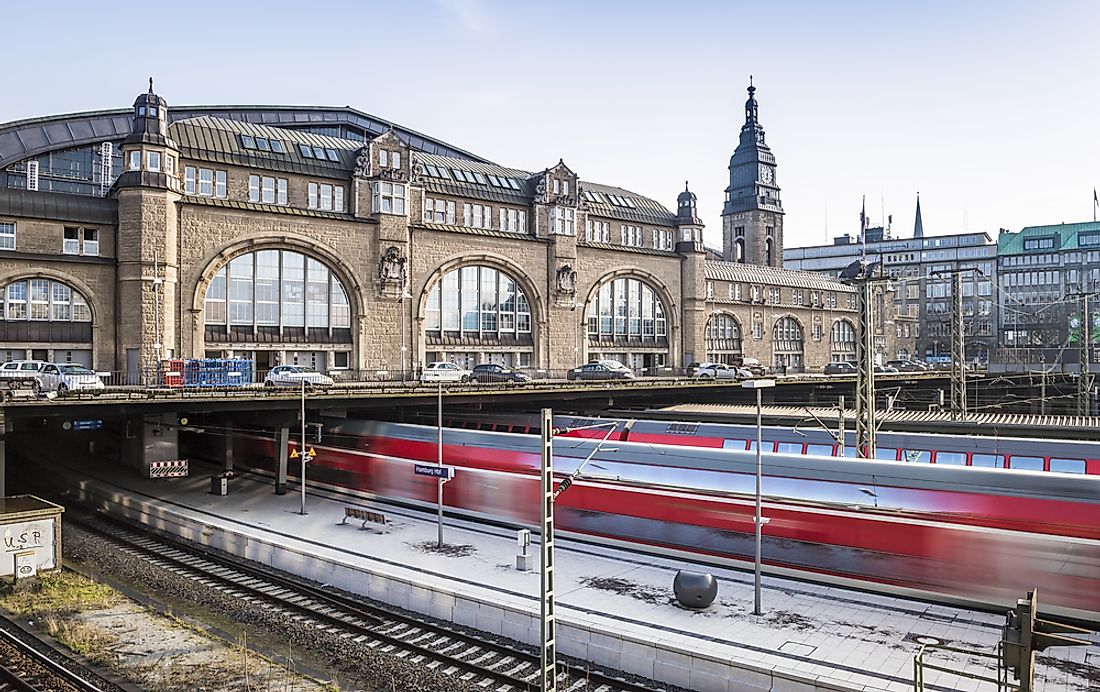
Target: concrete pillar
281, 442
227, 448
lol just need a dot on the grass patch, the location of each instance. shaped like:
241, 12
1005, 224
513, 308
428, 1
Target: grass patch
84, 639
59, 593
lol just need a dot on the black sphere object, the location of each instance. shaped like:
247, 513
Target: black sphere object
695, 589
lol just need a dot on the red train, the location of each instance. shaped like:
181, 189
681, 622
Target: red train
959, 534
1062, 456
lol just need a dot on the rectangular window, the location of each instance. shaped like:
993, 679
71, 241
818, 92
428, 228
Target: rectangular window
220, 188
206, 182
268, 189
135, 160
189, 177
326, 197
281, 192
253, 188
337, 198
383, 158
91, 242
311, 200
71, 244
389, 198
154, 161
7, 236
32, 175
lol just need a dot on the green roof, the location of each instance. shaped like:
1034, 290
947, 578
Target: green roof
1065, 237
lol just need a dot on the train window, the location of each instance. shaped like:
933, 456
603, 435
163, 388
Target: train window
502, 427
952, 458
485, 426
993, 461
1026, 463
733, 444
886, 453
820, 450
850, 452
768, 446
790, 448
1067, 465
922, 456
682, 428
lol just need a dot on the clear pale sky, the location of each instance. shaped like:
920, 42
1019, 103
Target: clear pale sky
989, 109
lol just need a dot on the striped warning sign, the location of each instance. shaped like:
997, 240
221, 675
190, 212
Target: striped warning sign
171, 468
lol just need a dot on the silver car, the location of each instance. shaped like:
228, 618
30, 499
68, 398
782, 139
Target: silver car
721, 371
294, 376
69, 377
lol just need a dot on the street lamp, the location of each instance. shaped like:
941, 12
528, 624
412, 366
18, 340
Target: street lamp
758, 520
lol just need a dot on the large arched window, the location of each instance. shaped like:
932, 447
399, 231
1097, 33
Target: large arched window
45, 319
42, 300
842, 340
723, 338
276, 289
628, 322
787, 340
478, 314
479, 302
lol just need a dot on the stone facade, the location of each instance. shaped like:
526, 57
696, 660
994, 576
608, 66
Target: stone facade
285, 246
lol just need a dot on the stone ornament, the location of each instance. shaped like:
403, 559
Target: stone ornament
391, 268
362, 163
567, 280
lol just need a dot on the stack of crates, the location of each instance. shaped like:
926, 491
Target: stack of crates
205, 372
170, 372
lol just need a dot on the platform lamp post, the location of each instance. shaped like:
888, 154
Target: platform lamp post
302, 451
758, 520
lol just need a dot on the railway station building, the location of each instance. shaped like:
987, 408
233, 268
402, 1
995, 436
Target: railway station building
335, 239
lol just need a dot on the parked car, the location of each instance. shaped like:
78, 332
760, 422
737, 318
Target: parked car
906, 365
885, 369
495, 372
753, 365
442, 371
601, 370
841, 367
69, 377
721, 371
24, 369
294, 376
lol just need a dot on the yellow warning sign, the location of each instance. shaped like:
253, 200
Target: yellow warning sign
310, 453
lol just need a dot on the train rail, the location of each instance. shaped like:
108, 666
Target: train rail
28, 665
472, 661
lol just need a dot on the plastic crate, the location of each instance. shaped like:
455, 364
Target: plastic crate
170, 372
217, 372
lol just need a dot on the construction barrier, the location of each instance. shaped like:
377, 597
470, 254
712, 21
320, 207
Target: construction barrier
204, 372
171, 468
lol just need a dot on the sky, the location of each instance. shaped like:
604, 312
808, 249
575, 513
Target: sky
987, 109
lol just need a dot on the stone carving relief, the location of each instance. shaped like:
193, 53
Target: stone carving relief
391, 268
567, 280
362, 163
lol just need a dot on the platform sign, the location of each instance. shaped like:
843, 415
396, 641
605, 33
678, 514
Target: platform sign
85, 425
310, 454
436, 471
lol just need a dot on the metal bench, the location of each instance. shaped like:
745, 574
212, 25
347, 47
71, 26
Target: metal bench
363, 515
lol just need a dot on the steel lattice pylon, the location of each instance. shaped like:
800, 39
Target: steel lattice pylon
865, 377
958, 349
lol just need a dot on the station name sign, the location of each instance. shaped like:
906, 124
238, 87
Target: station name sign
436, 471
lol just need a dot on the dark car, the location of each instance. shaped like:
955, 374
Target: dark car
495, 372
601, 370
885, 369
906, 365
840, 367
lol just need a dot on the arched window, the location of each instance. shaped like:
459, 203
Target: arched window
42, 300
787, 339
625, 309
739, 251
768, 251
478, 314
479, 302
273, 289
628, 322
842, 340
723, 337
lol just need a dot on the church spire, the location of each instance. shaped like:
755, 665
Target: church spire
918, 225
751, 131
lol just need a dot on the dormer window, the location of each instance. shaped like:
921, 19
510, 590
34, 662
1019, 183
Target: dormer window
135, 160
152, 111
557, 187
383, 158
141, 111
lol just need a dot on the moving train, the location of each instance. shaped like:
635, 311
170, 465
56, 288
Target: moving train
1062, 456
958, 534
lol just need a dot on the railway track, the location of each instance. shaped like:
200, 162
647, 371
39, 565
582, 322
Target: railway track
27, 665
474, 661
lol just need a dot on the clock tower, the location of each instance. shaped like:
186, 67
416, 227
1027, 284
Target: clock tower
752, 219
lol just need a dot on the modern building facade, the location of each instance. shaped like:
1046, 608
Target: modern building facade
1044, 272
330, 238
921, 268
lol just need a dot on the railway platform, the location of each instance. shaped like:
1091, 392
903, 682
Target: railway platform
615, 608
